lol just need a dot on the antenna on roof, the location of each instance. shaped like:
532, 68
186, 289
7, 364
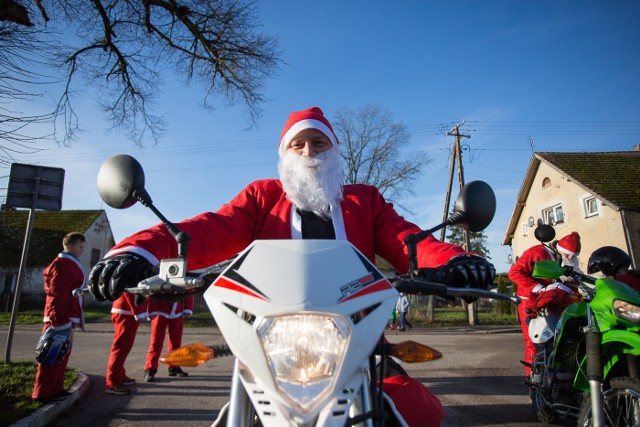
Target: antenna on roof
532, 142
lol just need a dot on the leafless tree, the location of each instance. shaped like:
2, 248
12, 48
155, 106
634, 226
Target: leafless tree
119, 48
19, 46
372, 144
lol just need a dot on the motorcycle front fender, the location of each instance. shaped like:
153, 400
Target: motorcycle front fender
615, 344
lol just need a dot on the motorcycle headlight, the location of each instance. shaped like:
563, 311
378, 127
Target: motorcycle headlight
304, 352
626, 311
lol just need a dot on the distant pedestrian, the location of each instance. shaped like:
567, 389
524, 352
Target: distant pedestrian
392, 319
402, 306
166, 315
62, 313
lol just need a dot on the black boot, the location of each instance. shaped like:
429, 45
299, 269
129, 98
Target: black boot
150, 375
177, 372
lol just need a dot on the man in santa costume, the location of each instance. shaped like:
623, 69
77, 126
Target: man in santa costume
126, 313
309, 201
62, 311
166, 315
537, 293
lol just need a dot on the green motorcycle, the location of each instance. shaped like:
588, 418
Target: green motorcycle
587, 366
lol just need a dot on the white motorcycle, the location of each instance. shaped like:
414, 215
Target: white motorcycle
303, 318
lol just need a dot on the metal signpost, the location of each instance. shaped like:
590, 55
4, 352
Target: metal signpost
33, 187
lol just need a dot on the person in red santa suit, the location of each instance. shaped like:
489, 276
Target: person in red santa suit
126, 313
61, 311
166, 315
537, 293
309, 201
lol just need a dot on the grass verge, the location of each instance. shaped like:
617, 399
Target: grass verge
16, 385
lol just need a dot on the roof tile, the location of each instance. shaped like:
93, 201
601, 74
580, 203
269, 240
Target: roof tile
613, 176
49, 228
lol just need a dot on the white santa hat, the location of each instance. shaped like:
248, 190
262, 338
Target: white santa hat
311, 118
569, 244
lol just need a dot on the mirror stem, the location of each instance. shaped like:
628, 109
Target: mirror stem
181, 237
412, 240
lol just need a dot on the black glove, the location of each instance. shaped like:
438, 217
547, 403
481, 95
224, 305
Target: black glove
471, 271
531, 314
110, 276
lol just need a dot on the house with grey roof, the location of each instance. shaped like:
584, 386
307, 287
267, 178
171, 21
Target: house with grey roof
595, 194
49, 228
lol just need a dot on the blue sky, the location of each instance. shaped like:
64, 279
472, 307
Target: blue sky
562, 72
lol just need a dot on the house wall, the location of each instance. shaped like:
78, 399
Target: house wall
98, 236
604, 228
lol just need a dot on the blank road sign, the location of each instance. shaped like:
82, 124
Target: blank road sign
25, 179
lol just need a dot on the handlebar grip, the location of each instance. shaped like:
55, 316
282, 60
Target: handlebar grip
79, 291
421, 287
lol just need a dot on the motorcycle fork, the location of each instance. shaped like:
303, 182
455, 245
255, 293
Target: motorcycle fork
362, 404
594, 368
241, 411
541, 368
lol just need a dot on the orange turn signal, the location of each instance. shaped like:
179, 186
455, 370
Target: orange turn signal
190, 355
413, 352
577, 298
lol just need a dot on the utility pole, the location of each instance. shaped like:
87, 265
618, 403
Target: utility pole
456, 155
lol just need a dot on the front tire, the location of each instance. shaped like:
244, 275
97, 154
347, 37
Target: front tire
621, 404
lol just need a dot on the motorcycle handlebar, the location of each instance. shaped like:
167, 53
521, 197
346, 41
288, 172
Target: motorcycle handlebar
417, 286
159, 284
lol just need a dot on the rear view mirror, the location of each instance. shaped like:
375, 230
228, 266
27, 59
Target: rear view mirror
119, 178
544, 233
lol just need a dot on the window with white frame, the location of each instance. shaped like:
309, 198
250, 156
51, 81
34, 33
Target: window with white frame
553, 215
525, 229
590, 206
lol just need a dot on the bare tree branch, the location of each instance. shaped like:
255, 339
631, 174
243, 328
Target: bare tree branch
20, 54
371, 151
120, 47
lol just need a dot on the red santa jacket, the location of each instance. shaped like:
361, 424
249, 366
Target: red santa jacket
262, 211
127, 305
61, 277
631, 278
521, 274
171, 310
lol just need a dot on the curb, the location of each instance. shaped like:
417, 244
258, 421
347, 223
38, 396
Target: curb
49, 412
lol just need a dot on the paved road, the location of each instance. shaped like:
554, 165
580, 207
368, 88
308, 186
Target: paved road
478, 380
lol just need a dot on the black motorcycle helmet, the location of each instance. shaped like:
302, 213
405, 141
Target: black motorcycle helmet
609, 260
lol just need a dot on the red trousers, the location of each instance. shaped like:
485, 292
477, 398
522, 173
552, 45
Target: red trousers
49, 379
529, 347
159, 326
124, 335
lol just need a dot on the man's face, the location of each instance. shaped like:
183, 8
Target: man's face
309, 143
310, 172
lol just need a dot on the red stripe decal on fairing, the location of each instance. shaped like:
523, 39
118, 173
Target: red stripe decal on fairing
378, 286
227, 284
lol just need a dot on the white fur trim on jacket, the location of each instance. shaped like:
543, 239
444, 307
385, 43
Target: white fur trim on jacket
140, 316
134, 250
306, 124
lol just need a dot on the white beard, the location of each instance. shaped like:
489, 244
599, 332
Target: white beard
312, 183
571, 262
